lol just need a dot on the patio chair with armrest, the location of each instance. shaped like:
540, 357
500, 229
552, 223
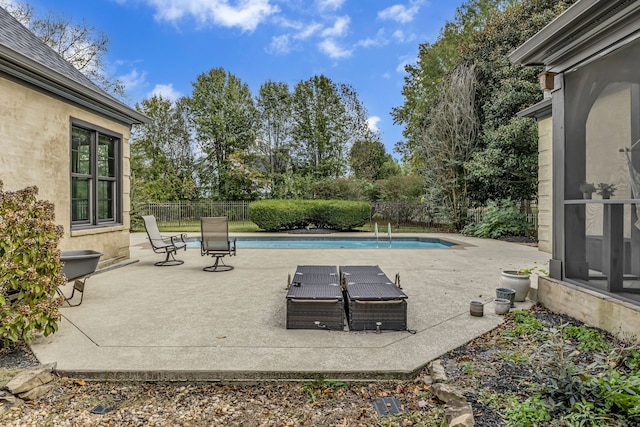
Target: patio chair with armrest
168, 245
216, 242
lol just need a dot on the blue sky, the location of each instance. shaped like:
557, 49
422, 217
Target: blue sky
161, 46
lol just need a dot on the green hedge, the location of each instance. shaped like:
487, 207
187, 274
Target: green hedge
276, 215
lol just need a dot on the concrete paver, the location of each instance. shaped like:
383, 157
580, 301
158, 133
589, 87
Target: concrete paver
143, 322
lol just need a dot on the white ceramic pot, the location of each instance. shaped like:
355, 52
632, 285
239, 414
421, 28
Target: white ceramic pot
517, 281
502, 305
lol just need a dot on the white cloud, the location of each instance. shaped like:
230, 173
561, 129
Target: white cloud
285, 43
307, 31
400, 13
279, 45
339, 28
330, 4
333, 50
245, 14
379, 40
402, 37
133, 80
372, 123
165, 91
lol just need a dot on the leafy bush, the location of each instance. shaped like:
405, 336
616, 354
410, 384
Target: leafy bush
499, 220
275, 215
30, 268
339, 214
559, 379
619, 393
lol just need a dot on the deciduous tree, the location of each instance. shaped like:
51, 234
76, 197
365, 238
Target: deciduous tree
327, 119
225, 119
448, 142
367, 159
162, 153
274, 141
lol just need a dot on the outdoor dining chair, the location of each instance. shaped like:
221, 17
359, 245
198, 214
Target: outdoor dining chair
215, 242
168, 245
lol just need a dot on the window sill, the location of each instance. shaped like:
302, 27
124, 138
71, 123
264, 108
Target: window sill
97, 230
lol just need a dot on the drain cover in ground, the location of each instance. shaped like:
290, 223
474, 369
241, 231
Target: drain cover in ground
387, 406
102, 408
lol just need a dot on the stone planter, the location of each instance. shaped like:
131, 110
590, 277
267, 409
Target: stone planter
502, 305
506, 293
518, 282
476, 308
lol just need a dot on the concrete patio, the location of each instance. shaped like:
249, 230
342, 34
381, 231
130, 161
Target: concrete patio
142, 322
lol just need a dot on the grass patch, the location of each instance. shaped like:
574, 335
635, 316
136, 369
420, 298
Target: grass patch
194, 227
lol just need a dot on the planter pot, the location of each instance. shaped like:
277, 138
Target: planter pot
476, 308
586, 196
506, 293
518, 282
501, 305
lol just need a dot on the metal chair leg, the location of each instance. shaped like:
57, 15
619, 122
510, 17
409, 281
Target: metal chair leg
218, 266
168, 262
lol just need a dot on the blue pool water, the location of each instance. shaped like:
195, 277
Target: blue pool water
334, 243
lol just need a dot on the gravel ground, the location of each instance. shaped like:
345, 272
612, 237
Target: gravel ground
474, 367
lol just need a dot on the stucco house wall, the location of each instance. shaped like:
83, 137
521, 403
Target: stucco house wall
36, 151
40, 95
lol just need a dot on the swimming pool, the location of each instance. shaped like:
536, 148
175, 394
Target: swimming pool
335, 243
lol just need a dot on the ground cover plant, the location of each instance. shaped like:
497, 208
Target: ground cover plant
537, 369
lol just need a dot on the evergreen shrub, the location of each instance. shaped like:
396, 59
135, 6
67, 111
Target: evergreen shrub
276, 215
339, 215
500, 219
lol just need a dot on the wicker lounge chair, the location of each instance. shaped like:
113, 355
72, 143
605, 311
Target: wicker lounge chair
216, 242
168, 245
315, 299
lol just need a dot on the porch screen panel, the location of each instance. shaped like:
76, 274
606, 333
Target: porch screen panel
599, 123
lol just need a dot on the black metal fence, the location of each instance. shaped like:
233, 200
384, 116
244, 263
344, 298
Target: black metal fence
177, 214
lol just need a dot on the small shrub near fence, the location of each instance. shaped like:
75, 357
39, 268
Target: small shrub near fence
409, 213
502, 219
274, 215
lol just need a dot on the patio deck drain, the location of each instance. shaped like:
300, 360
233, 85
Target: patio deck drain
387, 406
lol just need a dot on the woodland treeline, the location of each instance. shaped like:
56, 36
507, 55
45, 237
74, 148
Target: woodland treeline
463, 143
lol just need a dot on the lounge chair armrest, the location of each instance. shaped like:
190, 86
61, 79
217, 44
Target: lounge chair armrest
178, 238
